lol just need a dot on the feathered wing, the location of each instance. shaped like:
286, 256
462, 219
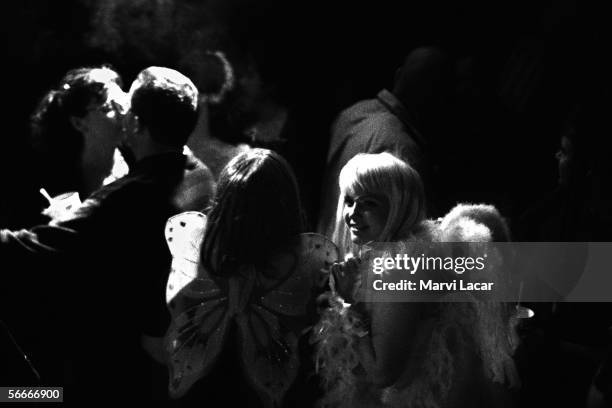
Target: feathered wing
494, 322
274, 319
481, 330
198, 305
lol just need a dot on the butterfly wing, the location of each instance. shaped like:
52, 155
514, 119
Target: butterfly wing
198, 305
194, 341
276, 317
184, 233
318, 254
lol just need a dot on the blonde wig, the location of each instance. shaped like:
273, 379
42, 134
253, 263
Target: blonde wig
384, 175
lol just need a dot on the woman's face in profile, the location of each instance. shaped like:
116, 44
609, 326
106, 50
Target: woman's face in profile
365, 217
101, 126
105, 117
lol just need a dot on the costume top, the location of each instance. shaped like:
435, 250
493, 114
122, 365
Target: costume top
102, 267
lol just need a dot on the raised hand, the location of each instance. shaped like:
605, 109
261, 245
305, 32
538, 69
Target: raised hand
346, 278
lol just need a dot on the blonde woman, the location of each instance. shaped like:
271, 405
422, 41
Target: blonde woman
405, 354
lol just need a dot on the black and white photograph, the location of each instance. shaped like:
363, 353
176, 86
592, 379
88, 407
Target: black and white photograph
386, 204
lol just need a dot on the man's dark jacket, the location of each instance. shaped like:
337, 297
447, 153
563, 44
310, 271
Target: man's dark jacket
92, 282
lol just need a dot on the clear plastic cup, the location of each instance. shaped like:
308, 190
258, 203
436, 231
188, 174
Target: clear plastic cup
62, 204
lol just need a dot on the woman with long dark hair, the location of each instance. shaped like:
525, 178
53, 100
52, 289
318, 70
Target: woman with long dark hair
241, 299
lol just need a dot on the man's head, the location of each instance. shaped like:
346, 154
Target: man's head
424, 78
164, 105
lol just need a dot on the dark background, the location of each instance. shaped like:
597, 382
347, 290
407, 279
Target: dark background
522, 68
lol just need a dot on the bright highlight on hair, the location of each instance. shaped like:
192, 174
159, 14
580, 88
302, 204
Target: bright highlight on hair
385, 175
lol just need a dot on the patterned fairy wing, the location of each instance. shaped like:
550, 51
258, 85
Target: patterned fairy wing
184, 233
314, 255
197, 303
196, 336
318, 255
269, 309
275, 318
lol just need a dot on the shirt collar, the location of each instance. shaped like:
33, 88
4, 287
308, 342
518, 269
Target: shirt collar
395, 106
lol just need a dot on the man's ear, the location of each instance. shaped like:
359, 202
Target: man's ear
80, 124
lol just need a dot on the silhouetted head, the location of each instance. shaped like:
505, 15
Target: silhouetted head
424, 79
211, 72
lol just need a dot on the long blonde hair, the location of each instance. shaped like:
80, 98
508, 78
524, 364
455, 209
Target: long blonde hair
385, 175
